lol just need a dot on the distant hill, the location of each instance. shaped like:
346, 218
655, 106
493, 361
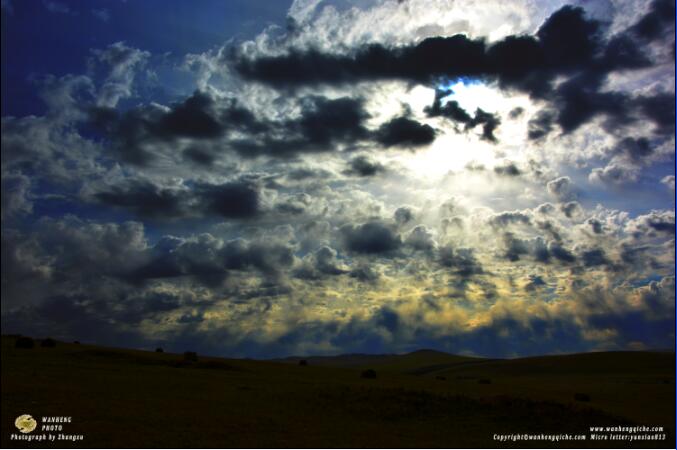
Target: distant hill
407, 362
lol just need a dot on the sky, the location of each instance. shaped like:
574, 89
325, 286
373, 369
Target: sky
263, 179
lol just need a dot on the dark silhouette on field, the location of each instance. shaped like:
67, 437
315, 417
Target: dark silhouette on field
48, 342
369, 373
581, 397
24, 342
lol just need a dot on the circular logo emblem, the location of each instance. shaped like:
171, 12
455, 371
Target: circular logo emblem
25, 423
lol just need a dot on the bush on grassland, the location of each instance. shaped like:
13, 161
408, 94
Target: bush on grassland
579, 396
48, 342
24, 342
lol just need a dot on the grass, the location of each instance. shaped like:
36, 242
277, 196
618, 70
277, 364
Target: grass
128, 398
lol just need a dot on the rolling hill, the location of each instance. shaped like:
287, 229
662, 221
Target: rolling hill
131, 398
408, 362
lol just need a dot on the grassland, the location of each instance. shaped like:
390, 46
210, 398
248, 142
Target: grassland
129, 398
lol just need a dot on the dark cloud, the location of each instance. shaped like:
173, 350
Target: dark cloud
570, 209
545, 208
567, 44
295, 205
432, 58
451, 110
660, 109
421, 239
70, 317
561, 253
365, 274
266, 257
324, 121
128, 132
172, 258
509, 218
146, 200
516, 112
653, 224
325, 124
239, 200
541, 124
363, 166
635, 149
199, 156
209, 260
535, 282
305, 173
371, 238
570, 38
509, 169
193, 118
322, 124
659, 20
537, 248
69, 255
596, 226
623, 52
635, 254
489, 124
405, 132
320, 263
578, 100
403, 215
550, 228
236, 200
326, 261
199, 117
462, 261
594, 257
662, 224
515, 247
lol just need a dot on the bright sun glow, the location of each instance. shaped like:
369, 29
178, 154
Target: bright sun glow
452, 151
449, 152
471, 95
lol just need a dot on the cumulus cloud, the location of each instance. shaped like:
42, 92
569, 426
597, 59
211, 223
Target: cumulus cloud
561, 188
363, 166
237, 200
371, 238
121, 62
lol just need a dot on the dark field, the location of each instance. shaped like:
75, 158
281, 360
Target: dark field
128, 398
